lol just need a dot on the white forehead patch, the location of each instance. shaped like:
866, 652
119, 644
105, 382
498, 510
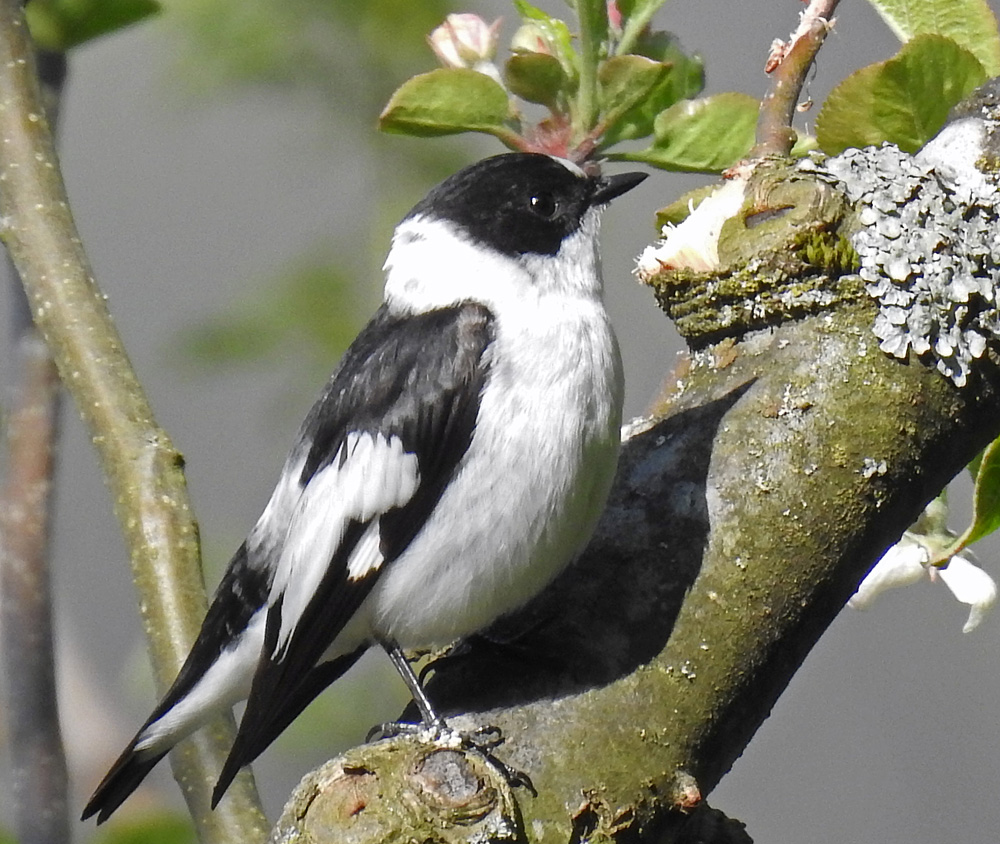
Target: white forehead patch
569, 165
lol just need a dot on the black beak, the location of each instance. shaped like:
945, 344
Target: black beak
607, 188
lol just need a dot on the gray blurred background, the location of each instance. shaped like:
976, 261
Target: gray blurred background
195, 199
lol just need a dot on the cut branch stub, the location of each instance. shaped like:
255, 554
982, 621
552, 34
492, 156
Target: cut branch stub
401, 790
784, 254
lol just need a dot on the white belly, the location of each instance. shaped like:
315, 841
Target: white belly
528, 492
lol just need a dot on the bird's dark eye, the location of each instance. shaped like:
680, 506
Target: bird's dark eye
543, 205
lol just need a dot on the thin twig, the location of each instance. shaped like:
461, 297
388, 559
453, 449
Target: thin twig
788, 65
143, 469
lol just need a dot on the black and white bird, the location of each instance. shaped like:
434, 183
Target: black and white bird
457, 460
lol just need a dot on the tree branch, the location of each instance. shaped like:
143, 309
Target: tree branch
37, 778
142, 467
788, 65
789, 453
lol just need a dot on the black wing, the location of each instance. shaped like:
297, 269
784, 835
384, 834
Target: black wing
417, 380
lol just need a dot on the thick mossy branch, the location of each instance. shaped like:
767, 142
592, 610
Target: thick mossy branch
782, 462
785, 255
143, 469
743, 517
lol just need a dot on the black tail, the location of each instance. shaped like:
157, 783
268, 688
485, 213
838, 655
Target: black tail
123, 778
241, 593
254, 738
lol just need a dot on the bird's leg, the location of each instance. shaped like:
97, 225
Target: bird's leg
483, 740
428, 716
427, 713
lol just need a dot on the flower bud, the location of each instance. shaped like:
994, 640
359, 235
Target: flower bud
465, 40
531, 38
615, 16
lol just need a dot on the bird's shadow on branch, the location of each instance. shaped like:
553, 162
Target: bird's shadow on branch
614, 608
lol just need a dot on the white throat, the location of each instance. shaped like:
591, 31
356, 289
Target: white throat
432, 265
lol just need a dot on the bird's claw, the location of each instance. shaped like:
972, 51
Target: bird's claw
485, 738
514, 777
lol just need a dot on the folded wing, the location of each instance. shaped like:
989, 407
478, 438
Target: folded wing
375, 454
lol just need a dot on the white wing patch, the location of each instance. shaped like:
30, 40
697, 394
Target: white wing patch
369, 475
367, 556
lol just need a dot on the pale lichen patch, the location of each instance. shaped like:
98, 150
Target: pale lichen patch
929, 250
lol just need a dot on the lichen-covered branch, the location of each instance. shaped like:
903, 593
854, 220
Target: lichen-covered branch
788, 65
788, 454
143, 469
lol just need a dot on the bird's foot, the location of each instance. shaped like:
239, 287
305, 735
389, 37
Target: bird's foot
483, 740
436, 731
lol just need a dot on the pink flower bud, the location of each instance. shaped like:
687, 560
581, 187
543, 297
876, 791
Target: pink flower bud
614, 15
465, 41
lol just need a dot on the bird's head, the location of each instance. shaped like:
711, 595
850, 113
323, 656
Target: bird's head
509, 216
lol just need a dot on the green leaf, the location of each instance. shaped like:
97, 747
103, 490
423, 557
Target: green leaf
446, 101
703, 136
985, 500
61, 24
625, 81
804, 144
536, 77
969, 23
683, 80
904, 100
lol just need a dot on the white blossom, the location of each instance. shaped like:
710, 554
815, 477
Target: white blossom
466, 40
908, 561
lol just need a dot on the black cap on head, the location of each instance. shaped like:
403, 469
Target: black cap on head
521, 203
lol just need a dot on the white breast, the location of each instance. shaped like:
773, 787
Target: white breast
528, 492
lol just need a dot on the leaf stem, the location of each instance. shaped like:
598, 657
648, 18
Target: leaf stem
640, 18
143, 469
593, 20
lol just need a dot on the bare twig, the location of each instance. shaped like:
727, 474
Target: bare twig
788, 65
142, 467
